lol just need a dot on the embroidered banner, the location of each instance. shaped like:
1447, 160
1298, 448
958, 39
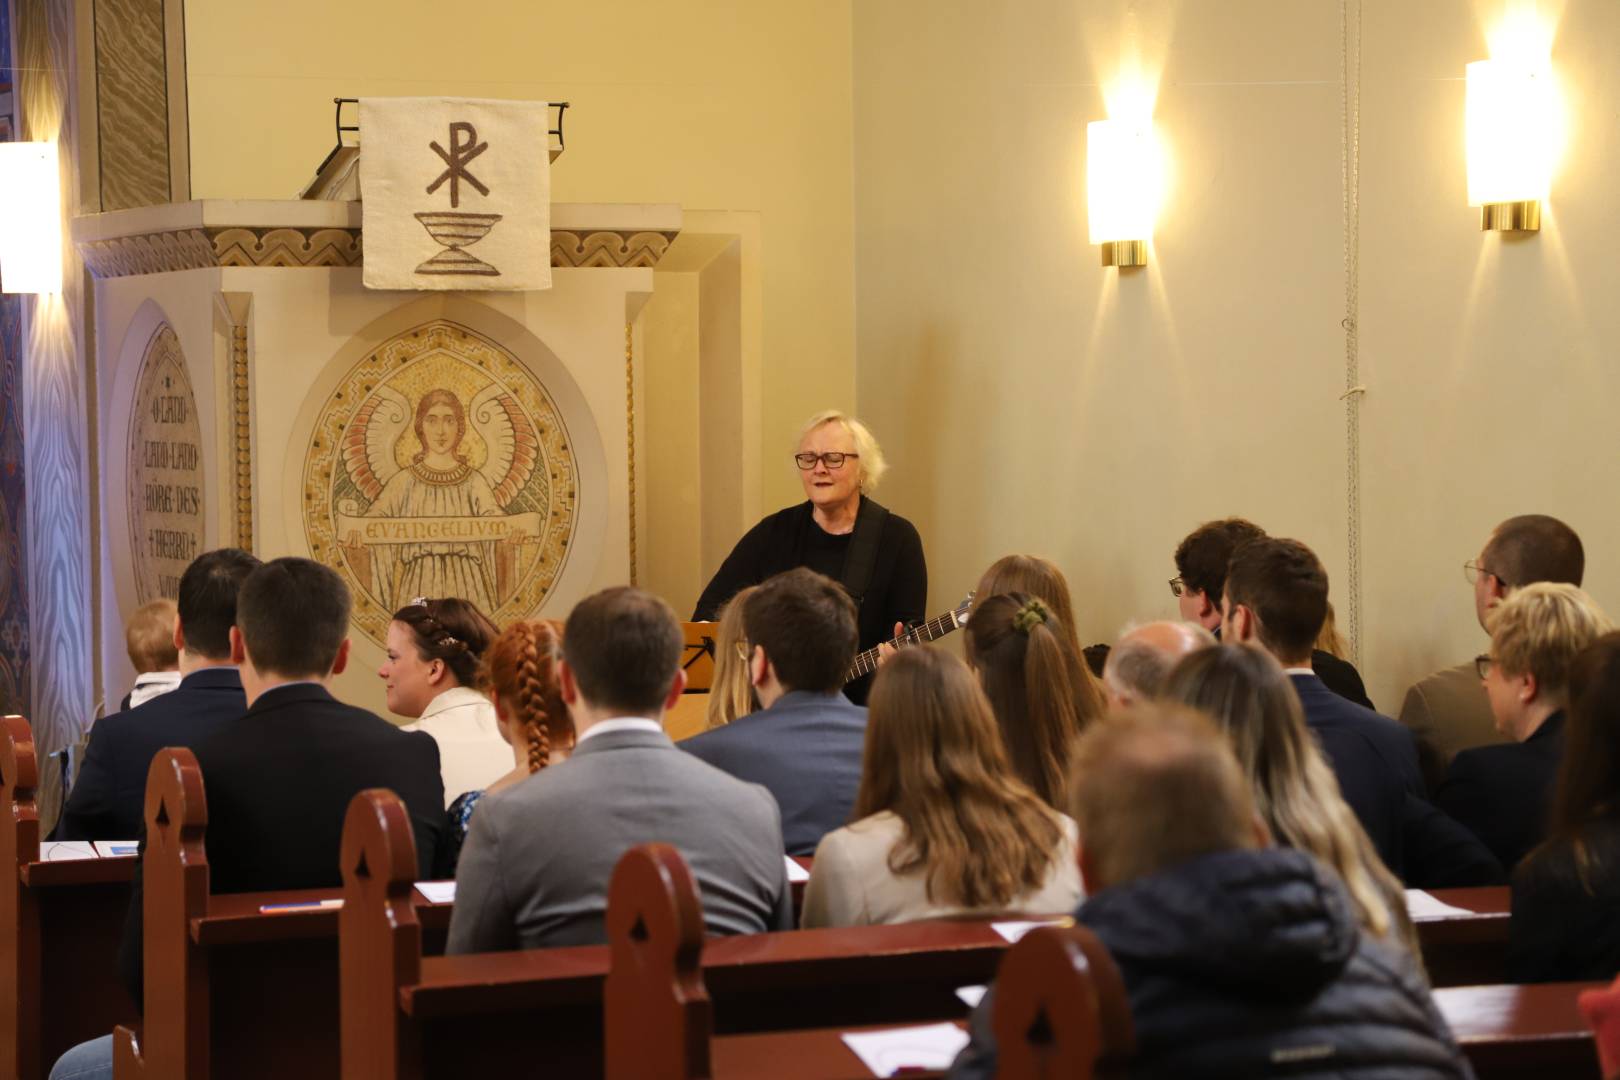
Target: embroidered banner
456, 193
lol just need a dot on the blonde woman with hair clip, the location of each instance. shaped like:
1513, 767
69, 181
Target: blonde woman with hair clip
731, 694
1040, 691
1253, 703
943, 826
520, 675
839, 531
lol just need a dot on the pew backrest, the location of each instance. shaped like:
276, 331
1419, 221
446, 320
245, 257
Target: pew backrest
1060, 1007
19, 921
656, 1012
174, 1038
379, 936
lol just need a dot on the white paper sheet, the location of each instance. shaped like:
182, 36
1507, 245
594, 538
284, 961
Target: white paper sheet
971, 995
1422, 905
437, 892
932, 1047
795, 871
115, 849
1013, 931
66, 850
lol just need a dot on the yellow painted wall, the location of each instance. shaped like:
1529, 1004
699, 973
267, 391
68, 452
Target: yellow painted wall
716, 105
1031, 400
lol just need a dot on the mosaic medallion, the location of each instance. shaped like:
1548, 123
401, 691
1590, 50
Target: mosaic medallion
438, 467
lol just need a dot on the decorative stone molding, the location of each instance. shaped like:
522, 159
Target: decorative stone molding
286, 247
152, 253
608, 247
198, 249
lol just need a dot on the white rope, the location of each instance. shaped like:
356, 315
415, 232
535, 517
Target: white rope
1350, 117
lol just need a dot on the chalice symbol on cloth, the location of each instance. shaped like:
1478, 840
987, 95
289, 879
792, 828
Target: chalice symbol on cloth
457, 229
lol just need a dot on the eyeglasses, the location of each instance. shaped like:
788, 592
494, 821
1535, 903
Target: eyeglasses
1483, 664
1473, 571
1177, 586
833, 459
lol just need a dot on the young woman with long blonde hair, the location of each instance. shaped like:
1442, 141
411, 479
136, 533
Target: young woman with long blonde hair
942, 823
1252, 700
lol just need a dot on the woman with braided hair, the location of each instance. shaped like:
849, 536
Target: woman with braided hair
435, 651
1038, 687
520, 676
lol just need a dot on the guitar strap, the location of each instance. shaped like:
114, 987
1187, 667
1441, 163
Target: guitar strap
860, 562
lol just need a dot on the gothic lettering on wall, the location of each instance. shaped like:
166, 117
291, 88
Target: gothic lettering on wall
165, 470
440, 467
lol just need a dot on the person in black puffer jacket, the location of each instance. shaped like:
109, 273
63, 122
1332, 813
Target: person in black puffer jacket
1239, 959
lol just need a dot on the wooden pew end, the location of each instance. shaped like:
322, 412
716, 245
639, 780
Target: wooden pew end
656, 1011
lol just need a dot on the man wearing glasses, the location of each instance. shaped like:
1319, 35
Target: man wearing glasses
839, 531
1448, 711
1201, 562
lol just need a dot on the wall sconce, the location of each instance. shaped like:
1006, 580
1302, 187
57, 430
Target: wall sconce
1122, 184
30, 218
1512, 124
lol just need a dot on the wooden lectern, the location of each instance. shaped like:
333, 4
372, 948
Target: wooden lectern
689, 716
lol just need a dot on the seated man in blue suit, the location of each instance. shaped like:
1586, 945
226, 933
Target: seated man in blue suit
109, 796
1276, 598
805, 744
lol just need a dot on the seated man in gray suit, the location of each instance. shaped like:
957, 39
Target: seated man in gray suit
537, 861
805, 744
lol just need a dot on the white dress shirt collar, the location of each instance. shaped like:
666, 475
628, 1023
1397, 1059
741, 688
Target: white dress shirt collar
1307, 670
623, 723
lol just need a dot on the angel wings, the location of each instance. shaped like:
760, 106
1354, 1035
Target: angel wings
368, 450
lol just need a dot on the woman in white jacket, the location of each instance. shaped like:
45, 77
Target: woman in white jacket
435, 651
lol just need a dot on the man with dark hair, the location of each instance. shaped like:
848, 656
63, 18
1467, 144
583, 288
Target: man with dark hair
1276, 598
279, 778
805, 742
1447, 711
1201, 562
109, 796
1238, 958
538, 859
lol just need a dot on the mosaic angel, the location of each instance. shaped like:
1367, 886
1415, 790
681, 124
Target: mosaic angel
432, 551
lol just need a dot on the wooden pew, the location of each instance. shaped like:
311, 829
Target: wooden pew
1060, 1001
60, 923
229, 991
1522, 1031
416, 1016
1467, 950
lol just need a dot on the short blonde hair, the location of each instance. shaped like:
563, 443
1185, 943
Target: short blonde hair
872, 463
149, 637
1539, 629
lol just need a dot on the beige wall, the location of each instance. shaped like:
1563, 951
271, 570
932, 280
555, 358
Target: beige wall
1032, 400
717, 106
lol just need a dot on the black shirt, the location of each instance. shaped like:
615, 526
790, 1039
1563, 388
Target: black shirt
789, 538
1563, 928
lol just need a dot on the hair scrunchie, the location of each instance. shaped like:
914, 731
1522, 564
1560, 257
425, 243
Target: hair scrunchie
1030, 616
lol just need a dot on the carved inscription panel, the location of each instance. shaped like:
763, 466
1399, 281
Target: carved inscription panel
165, 470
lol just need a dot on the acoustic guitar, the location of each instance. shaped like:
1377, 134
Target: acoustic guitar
867, 662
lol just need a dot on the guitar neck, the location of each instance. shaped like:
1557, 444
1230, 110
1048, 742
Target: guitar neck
867, 662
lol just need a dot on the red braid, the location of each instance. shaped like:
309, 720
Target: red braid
523, 677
